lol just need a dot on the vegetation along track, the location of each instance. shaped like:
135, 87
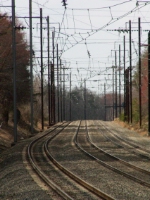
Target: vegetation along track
113, 163
64, 186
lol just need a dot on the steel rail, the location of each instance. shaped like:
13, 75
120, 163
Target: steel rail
130, 143
116, 158
42, 175
134, 146
73, 176
111, 167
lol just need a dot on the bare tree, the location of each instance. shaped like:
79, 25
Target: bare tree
6, 67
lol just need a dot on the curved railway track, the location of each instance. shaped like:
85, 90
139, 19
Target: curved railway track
120, 166
75, 191
64, 168
123, 143
134, 173
129, 143
35, 163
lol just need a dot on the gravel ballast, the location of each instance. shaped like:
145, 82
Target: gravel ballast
17, 181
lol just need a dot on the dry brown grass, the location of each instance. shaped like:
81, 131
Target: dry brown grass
133, 127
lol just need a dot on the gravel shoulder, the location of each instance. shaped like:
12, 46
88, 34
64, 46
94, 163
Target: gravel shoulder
16, 182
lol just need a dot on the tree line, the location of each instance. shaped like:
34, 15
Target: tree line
84, 103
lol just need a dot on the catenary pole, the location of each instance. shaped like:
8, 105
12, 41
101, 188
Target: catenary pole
53, 107
41, 44
57, 84
31, 64
105, 101
119, 79
53, 84
14, 70
140, 103
70, 97
127, 94
149, 83
84, 99
48, 62
64, 96
124, 61
61, 99
130, 49
116, 96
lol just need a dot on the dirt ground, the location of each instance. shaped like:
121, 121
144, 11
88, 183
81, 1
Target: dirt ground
23, 132
7, 135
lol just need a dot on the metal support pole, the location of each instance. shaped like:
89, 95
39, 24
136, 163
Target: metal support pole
52, 95
57, 84
119, 80
113, 90
70, 96
64, 96
84, 99
14, 70
48, 63
116, 96
140, 101
31, 65
127, 95
124, 45
41, 43
130, 48
105, 101
149, 83
52, 86
61, 99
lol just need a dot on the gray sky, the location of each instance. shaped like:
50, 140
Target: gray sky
84, 33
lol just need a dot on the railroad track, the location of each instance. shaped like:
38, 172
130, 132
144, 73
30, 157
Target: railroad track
84, 175
131, 172
120, 166
35, 150
123, 143
70, 188
129, 143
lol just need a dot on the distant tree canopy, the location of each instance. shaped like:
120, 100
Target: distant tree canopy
6, 67
95, 108
144, 87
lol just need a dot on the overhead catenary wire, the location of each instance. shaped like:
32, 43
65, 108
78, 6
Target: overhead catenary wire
104, 26
74, 37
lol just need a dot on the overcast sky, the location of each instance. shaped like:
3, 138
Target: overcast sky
85, 33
